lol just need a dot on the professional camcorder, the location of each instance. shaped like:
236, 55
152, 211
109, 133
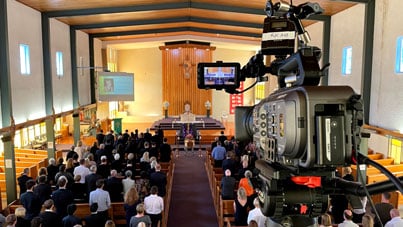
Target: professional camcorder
302, 131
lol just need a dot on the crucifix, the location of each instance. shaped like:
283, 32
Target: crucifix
187, 66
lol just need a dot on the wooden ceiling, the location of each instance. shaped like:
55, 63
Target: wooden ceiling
148, 19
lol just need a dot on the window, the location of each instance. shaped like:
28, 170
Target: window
399, 55
346, 60
59, 64
395, 149
24, 59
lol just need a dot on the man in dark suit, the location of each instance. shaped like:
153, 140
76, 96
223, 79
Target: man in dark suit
115, 187
159, 179
42, 189
22, 180
30, 201
71, 219
109, 139
229, 163
62, 197
49, 216
165, 151
91, 179
100, 137
94, 219
222, 138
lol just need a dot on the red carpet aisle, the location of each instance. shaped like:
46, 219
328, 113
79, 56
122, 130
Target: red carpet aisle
191, 200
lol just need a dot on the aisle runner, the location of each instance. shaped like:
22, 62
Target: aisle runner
191, 201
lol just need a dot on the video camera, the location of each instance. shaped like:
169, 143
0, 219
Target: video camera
302, 131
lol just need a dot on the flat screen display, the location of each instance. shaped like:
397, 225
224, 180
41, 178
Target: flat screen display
115, 86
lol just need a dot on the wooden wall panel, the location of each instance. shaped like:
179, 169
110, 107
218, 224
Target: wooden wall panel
180, 77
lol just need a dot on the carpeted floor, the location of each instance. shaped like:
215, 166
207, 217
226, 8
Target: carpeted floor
191, 201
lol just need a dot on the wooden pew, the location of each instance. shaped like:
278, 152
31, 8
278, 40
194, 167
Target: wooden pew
375, 156
226, 213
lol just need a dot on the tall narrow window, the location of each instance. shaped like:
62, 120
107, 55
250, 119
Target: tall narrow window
59, 64
346, 60
399, 55
24, 59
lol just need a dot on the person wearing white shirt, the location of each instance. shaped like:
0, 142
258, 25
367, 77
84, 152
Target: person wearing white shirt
396, 220
256, 214
348, 219
81, 170
154, 206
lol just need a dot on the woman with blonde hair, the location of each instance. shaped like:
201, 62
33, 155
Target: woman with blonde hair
325, 220
20, 217
131, 200
70, 166
241, 207
367, 221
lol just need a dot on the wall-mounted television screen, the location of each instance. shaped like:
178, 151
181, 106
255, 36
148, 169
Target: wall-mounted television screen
115, 86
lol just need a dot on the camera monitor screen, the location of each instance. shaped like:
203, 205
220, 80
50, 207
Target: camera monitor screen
218, 75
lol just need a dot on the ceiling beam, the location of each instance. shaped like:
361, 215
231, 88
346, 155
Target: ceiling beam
169, 20
151, 7
180, 29
121, 9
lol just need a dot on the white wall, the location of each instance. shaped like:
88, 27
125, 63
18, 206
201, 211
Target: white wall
62, 86
146, 64
28, 96
83, 75
386, 96
347, 30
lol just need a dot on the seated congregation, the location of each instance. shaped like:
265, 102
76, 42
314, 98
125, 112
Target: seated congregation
119, 180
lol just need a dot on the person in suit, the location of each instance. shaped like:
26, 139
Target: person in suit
94, 219
62, 197
228, 185
71, 220
104, 168
222, 138
100, 137
49, 216
22, 180
115, 187
165, 151
383, 209
229, 162
43, 190
30, 201
91, 179
159, 179
52, 170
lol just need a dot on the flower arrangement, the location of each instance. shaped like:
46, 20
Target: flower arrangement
189, 136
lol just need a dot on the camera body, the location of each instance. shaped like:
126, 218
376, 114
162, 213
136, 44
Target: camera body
302, 131
303, 126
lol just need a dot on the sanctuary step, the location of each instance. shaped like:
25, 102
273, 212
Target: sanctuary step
174, 123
